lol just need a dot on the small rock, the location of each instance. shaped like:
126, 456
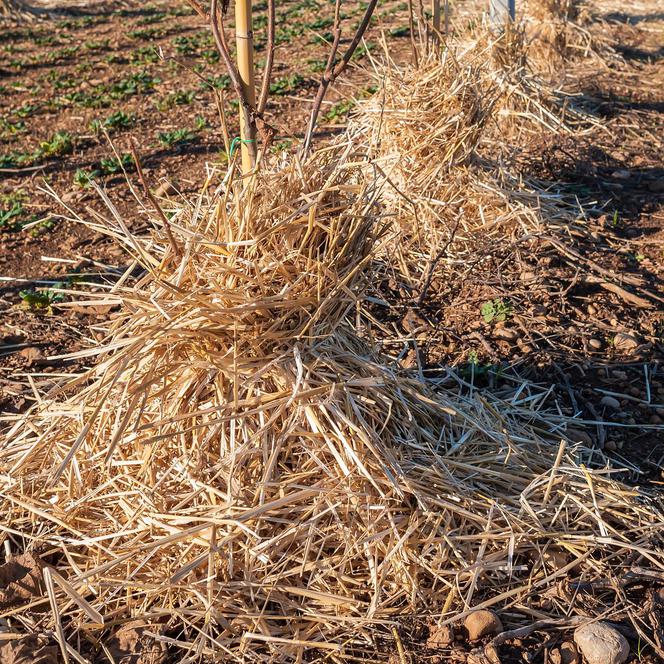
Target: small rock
440, 636
555, 656
610, 445
69, 196
506, 334
20, 580
595, 344
32, 354
655, 419
621, 174
524, 347
569, 653
610, 402
482, 623
600, 643
527, 276
166, 188
592, 310
565, 654
577, 436
487, 655
625, 341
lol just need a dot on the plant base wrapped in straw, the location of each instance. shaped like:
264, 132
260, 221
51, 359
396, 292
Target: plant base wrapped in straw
242, 475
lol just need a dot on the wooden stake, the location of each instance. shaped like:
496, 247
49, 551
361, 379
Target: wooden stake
244, 38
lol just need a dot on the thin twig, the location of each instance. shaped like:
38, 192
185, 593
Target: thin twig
198, 8
332, 72
411, 28
434, 263
153, 200
269, 58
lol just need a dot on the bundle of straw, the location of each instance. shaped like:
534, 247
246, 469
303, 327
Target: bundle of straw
242, 471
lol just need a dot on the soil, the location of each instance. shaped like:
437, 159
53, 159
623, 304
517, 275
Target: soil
600, 347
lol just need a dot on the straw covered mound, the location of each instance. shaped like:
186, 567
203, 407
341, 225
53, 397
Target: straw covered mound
445, 136
244, 474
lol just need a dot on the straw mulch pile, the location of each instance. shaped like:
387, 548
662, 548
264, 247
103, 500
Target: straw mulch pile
242, 475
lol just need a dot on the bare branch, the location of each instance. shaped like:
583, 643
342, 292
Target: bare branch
269, 60
198, 8
217, 25
411, 28
332, 71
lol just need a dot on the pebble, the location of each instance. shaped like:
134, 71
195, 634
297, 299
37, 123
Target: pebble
165, 189
506, 334
482, 623
595, 344
610, 445
621, 174
600, 643
440, 636
487, 655
577, 436
610, 402
625, 341
32, 354
566, 654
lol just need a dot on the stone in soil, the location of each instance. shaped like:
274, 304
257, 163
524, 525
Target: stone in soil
482, 623
610, 402
600, 643
440, 636
626, 341
506, 334
565, 654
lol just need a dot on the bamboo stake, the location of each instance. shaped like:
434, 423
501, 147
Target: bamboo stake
245, 62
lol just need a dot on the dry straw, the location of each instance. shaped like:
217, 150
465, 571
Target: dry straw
243, 472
